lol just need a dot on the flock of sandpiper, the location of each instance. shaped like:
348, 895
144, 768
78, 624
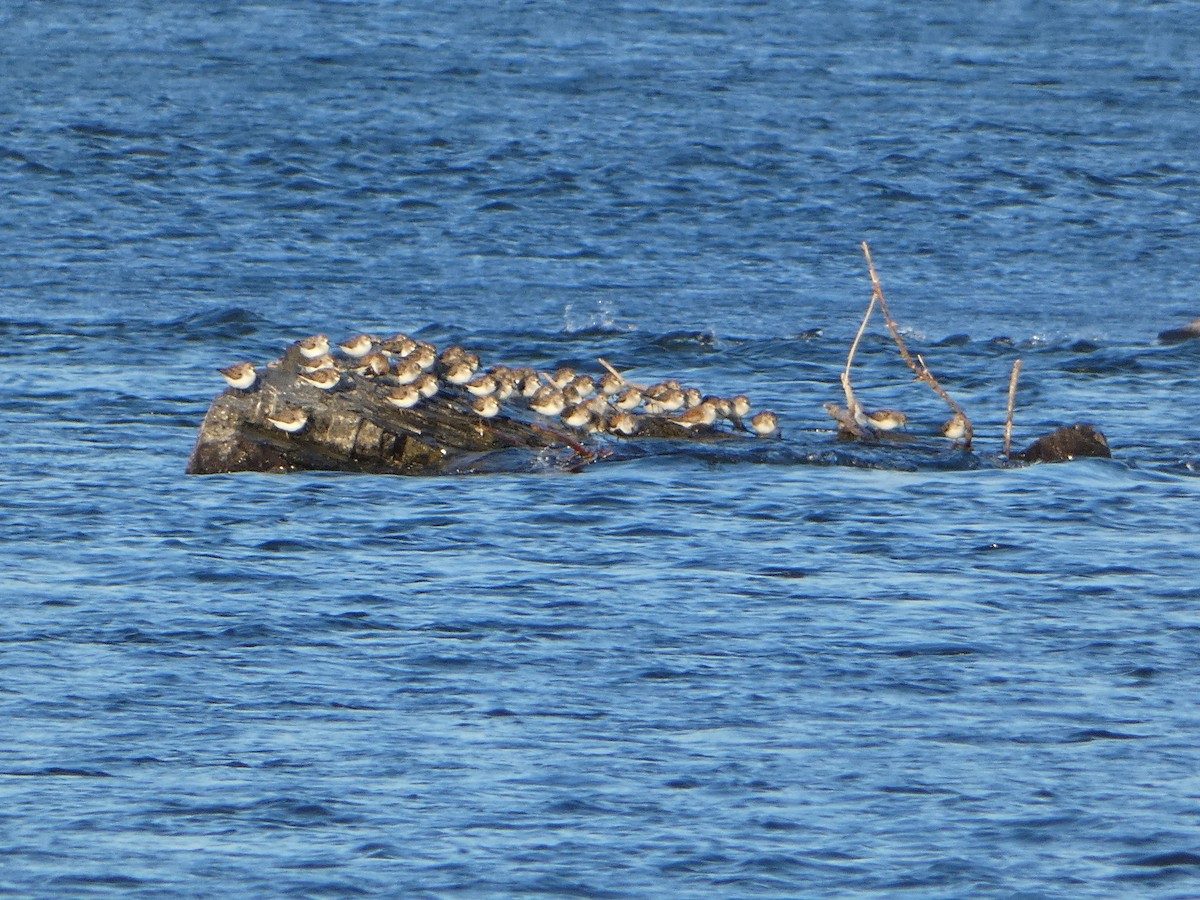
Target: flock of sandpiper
415, 371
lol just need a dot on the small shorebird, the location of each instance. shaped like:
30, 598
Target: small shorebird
562, 377
887, 419
622, 423
582, 386
548, 401
578, 416
765, 423
955, 427
425, 355
458, 372
289, 420
506, 384
426, 385
404, 397
398, 345
373, 365
313, 346
311, 364
241, 376
325, 379
656, 391
723, 407
487, 407
629, 399
358, 346
598, 404
483, 386
671, 400
704, 414
527, 381
610, 383
407, 371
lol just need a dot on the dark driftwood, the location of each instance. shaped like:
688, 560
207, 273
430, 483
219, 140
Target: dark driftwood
1069, 442
353, 428
1188, 332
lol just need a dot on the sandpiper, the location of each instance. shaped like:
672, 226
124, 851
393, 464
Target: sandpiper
425, 355
628, 399
610, 383
578, 416
582, 386
405, 397
671, 400
483, 386
528, 382
739, 405
289, 420
622, 423
426, 385
955, 427
407, 371
692, 398
458, 372
398, 344
765, 423
704, 414
325, 379
723, 407
887, 419
374, 365
656, 391
562, 377
241, 376
486, 406
548, 401
311, 364
313, 346
455, 354
505, 385
358, 346
598, 404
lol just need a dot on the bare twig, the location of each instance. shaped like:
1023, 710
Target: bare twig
846, 422
852, 405
605, 363
917, 365
1012, 399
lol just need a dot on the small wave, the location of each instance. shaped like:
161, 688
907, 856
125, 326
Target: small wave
215, 324
1169, 859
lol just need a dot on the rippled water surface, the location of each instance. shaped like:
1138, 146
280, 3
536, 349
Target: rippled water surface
792, 668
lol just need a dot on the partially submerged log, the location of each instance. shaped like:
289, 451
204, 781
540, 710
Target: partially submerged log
280, 423
349, 428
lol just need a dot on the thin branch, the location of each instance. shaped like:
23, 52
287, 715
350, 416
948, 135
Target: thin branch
852, 405
1012, 399
605, 363
917, 365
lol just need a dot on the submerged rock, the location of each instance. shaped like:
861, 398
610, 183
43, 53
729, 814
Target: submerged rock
1069, 442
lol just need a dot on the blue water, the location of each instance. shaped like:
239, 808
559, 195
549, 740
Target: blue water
802, 669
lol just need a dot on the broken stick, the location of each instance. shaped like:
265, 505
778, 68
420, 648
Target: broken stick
1012, 399
917, 365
